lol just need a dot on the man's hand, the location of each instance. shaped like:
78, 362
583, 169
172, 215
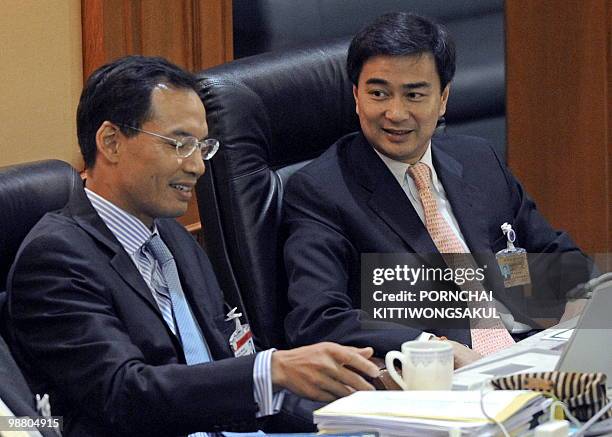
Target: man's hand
320, 372
463, 355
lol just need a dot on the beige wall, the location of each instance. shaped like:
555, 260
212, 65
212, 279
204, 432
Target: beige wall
40, 79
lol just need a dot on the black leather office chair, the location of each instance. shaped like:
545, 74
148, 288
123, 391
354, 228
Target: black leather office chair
27, 192
272, 113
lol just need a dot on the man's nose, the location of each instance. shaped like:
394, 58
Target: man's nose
397, 111
194, 164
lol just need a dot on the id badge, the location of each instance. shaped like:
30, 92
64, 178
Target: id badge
512, 261
241, 340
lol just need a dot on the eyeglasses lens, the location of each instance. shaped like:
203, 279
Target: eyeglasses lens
208, 147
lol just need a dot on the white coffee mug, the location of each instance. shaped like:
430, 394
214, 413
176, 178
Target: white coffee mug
426, 365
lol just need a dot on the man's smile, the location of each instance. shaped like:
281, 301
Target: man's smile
396, 134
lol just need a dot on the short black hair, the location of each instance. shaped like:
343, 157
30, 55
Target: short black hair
120, 92
402, 34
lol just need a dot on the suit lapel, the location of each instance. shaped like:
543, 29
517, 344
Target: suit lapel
467, 201
469, 208
195, 287
391, 204
388, 199
87, 217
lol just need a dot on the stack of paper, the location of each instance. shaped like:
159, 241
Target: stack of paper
431, 413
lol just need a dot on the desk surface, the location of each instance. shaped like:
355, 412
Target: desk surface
542, 350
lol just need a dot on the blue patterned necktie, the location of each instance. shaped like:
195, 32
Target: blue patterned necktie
194, 346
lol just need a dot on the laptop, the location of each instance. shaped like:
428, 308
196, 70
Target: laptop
587, 347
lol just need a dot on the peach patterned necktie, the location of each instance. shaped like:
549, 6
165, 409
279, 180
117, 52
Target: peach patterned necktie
485, 341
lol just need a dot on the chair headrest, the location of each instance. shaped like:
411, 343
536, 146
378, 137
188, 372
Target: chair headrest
276, 109
27, 192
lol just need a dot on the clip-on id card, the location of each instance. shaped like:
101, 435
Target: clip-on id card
512, 261
241, 340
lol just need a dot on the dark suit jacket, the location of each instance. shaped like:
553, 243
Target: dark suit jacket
347, 202
14, 390
88, 332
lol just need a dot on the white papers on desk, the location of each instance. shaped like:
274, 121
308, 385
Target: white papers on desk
533, 361
429, 413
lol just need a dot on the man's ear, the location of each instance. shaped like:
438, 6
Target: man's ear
444, 100
107, 141
355, 97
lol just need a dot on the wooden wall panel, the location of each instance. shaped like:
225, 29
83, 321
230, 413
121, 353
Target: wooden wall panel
558, 92
194, 34
215, 20
608, 255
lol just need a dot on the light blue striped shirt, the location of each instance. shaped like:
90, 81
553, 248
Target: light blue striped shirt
133, 234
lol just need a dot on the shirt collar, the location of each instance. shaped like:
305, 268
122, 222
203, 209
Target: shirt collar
398, 169
130, 231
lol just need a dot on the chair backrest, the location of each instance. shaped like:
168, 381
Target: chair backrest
27, 192
272, 113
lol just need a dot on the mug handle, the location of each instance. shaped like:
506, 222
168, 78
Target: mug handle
389, 358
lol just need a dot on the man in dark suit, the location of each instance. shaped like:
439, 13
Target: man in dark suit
361, 196
115, 310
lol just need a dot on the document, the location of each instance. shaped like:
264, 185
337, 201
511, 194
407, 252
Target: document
399, 413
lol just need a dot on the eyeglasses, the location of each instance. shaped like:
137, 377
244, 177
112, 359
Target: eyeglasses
185, 146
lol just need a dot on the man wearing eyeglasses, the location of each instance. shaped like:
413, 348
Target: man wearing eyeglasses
115, 310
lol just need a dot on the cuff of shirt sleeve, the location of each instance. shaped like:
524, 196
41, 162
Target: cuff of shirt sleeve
268, 402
